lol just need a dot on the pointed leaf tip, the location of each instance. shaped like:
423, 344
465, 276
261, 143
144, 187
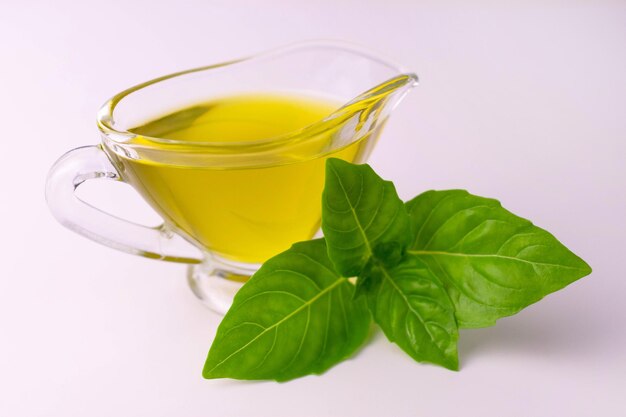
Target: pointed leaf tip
361, 213
492, 262
296, 316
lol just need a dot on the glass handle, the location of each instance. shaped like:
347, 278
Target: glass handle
90, 162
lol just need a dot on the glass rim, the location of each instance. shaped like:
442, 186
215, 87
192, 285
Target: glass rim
106, 120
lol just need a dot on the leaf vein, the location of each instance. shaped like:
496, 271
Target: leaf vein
406, 302
432, 211
476, 255
442, 225
354, 215
278, 323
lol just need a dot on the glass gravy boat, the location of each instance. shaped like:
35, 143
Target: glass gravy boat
229, 205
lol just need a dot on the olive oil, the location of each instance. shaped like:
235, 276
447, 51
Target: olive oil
267, 198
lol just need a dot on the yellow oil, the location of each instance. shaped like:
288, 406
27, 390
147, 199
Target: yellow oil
267, 198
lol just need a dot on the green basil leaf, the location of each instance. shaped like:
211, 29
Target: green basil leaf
294, 317
492, 262
362, 216
412, 307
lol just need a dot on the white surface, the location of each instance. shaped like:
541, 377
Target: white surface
525, 103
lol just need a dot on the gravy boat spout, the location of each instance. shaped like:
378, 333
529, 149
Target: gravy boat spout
364, 87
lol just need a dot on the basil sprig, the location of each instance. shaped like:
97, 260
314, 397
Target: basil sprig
444, 260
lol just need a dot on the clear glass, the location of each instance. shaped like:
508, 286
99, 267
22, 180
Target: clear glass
369, 88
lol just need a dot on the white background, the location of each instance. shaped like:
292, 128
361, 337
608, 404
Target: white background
524, 103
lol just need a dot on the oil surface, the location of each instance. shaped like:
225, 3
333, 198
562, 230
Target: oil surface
249, 213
